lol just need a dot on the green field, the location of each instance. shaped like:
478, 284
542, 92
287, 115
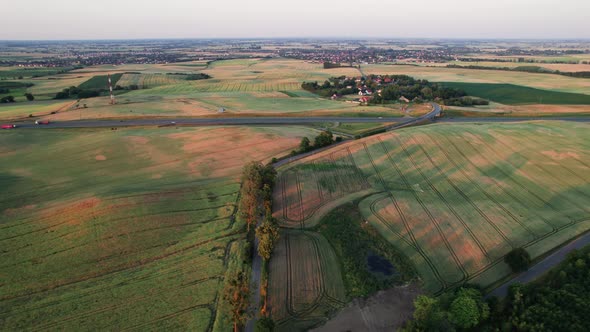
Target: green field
100, 82
124, 229
514, 94
453, 198
17, 72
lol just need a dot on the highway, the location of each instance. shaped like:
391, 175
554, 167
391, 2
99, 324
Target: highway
514, 119
207, 122
245, 121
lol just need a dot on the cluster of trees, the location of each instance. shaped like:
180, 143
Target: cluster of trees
10, 99
76, 92
390, 88
330, 65
458, 310
7, 99
196, 77
334, 86
559, 301
419, 91
192, 77
353, 242
130, 87
325, 138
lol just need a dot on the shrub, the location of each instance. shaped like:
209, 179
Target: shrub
518, 259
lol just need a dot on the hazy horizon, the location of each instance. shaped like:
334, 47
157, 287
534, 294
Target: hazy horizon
344, 19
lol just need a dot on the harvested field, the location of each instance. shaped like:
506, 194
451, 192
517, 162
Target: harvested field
305, 281
453, 198
126, 229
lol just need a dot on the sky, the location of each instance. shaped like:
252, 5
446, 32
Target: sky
131, 19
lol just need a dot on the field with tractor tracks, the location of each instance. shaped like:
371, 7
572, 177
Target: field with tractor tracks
454, 199
124, 229
305, 281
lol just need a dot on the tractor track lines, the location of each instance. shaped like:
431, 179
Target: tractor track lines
455, 213
406, 224
431, 217
122, 267
562, 167
505, 191
548, 188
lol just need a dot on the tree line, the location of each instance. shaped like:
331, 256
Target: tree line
255, 202
558, 301
325, 138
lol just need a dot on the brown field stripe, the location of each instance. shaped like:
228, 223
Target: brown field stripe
467, 199
410, 243
430, 216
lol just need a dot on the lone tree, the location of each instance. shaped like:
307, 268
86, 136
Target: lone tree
237, 294
267, 234
323, 139
518, 259
29, 96
305, 145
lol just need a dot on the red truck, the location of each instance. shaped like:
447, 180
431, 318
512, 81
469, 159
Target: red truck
42, 122
8, 126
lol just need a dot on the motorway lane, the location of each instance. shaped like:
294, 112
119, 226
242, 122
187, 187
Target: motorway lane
207, 122
515, 119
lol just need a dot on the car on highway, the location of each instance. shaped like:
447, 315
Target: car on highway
42, 122
8, 126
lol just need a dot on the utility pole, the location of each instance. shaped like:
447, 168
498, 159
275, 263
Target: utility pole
111, 90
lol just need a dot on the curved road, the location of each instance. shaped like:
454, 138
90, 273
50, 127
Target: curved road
543, 266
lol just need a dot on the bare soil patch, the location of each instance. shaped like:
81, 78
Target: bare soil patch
384, 311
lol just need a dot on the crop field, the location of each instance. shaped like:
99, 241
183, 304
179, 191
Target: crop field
453, 198
100, 82
304, 281
124, 225
37, 108
515, 94
16, 72
145, 81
